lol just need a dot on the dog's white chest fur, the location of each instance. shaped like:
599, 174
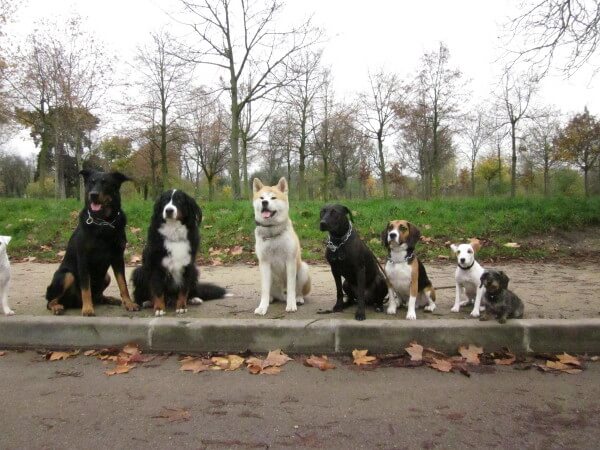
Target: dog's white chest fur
178, 248
400, 275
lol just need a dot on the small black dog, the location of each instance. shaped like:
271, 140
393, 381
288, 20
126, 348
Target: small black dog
97, 243
350, 258
498, 300
168, 272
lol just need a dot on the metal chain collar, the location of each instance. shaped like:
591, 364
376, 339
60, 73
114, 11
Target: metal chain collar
90, 220
334, 248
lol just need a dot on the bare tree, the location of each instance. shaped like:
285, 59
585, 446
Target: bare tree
476, 132
244, 39
164, 84
323, 131
301, 95
349, 148
540, 142
514, 102
377, 114
440, 87
546, 29
209, 147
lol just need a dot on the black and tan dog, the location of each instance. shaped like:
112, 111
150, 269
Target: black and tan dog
97, 243
351, 259
407, 275
498, 300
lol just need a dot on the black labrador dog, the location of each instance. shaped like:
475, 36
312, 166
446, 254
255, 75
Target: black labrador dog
351, 259
97, 243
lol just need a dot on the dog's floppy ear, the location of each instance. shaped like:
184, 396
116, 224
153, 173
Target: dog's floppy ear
414, 234
475, 244
282, 185
119, 177
348, 212
484, 276
5, 239
454, 247
193, 211
503, 280
257, 185
384, 236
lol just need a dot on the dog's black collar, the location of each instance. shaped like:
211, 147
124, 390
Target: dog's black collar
335, 247
467, 268
91, 220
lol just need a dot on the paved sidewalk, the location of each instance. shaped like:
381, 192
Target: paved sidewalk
549, 291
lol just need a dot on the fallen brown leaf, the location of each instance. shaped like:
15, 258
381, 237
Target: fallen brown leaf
90, 353
135, 230
57, 356
135, 259
320, 362
229, 362
361, 358
470, 353
216, 262
120, 369
565, 358
131, 349
2, 353
512, 245
174, 414
237, 250
277, 358
505, 361
441, 364
195, 365
415, 351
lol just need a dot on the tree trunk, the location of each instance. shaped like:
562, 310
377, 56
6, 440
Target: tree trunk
164, 166
325, 178
211, 188
246, 185
80, 183
586, 189
302, 159
473, 178
382, 165
546, 175
234, 141
513, 168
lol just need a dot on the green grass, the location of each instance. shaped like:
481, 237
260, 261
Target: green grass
41, 228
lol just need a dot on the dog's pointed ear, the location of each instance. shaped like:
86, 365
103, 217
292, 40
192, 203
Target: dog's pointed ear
5, 239
119, 177
475, 244
384, 236
85, 173
257, 185
454, 247
503, 280
282, 185
414, 234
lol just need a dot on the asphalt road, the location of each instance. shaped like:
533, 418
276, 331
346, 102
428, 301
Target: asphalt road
73, 404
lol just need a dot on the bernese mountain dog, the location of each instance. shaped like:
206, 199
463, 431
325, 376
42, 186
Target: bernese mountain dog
168, 272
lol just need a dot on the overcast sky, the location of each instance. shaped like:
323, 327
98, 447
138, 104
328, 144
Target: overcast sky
362, 35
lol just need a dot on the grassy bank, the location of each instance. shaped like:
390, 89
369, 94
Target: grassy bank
41, 228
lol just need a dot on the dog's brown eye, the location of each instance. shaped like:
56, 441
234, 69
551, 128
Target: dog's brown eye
469, 251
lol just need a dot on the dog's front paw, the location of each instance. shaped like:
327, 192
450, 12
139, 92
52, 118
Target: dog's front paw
391, 309
159, 312
181, 311
474, 313
261, 310
131, 306
502, 320
291, 308
57, 310
360, 315
411, 315
87, 312
195, 301
299, 300
9, 312
455, 308
338, 307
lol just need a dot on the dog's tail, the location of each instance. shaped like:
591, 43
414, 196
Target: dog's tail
209, 291
140, 286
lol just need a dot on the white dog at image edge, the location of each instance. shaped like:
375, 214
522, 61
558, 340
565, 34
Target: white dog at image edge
4, 275
283, 274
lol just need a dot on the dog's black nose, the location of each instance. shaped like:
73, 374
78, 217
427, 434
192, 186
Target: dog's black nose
323, 225
462, 260
169, 211
392, 235
265, 203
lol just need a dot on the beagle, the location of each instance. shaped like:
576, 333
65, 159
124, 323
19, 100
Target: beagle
405, 272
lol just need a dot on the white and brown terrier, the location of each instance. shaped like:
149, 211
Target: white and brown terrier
405, 272
4, 275
469, 289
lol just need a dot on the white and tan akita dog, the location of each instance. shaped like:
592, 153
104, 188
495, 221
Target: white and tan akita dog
282, 271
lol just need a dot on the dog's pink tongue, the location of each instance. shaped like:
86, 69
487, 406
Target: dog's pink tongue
266, 214
95, 207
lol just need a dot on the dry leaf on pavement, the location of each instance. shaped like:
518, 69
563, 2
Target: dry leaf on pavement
229, 362
57, 356
195, 365
415, 351
237, 250
174, 414
277, 358
361, 358
120, 369
320, 362
441, 364
470, 353
565, 358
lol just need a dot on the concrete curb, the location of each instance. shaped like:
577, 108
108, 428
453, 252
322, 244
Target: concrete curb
328, 336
